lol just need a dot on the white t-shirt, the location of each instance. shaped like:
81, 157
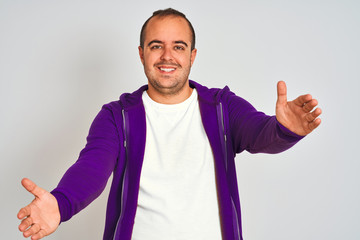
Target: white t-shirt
177, 195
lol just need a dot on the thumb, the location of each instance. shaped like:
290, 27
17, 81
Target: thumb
281, 93
32, 187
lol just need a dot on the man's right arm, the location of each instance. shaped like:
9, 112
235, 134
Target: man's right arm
83, 181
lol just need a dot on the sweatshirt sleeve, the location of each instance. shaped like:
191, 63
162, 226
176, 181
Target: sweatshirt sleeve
255, 131
87, 177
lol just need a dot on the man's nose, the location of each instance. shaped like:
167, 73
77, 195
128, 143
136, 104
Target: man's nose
167, 54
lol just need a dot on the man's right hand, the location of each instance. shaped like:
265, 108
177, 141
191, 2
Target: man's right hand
42, 216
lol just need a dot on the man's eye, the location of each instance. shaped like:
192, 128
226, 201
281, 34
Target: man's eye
179, 48
155, 47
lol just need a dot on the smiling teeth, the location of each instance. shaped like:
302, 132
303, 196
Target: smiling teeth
167, 69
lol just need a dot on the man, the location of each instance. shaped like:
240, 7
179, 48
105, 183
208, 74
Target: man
170, 146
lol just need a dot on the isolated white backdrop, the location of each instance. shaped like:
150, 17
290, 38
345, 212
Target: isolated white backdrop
60, 61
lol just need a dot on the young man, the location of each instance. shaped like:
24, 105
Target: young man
170, 146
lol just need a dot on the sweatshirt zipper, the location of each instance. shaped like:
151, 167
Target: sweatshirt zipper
236, 230
125, 175
236, 223
224, 134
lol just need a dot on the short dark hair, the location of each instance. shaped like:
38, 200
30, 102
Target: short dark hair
165, 13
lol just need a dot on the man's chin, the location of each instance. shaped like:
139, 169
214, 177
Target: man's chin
168, 88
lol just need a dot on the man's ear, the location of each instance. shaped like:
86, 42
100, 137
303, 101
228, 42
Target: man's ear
193, 55
141, 54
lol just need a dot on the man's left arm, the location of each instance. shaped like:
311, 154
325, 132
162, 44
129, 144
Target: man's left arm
257, 132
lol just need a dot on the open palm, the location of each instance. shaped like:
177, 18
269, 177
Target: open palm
298, 115
41, 217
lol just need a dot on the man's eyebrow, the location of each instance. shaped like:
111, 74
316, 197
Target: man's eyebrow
154, 41
160, 42
181, 42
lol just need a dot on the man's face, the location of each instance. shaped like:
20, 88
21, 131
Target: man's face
167, 55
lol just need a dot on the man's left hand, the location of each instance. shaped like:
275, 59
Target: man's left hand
299, 115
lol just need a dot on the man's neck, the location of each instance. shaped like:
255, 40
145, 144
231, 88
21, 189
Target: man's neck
173, 98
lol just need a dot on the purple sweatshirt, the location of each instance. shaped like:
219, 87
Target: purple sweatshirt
116, 145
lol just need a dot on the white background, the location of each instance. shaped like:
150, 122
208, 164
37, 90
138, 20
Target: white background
60, 61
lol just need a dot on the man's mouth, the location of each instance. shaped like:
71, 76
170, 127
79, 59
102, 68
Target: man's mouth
167, 69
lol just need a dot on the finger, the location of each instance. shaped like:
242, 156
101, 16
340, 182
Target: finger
32, 187
281, 93
303, 99
309, 117
39, 235
317, 112
25, 224
313, 115
309, 106
32, 230
24, 212
314, 124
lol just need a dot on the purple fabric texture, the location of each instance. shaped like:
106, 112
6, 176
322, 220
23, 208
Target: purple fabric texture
116, 145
